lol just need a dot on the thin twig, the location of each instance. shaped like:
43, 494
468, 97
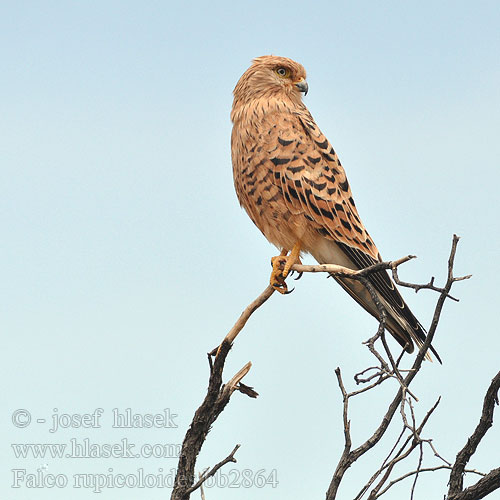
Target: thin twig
346, 272
417, 472
245, 315
348, 458
202, 493
400, 455
347, 425
413, 472
332, 269
213, 470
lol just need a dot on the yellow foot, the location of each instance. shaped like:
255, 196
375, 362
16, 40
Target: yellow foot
281, 267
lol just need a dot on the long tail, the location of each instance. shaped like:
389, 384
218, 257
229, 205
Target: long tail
401, 322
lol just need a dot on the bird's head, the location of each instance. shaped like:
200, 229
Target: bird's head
272, 76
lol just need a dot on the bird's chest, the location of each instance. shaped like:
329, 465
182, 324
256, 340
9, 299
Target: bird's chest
258, 188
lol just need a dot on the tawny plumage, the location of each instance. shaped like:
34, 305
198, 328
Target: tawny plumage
291, 183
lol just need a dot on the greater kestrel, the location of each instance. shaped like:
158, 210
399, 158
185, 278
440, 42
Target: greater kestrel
292, 185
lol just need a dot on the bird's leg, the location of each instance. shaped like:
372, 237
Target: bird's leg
281, 267
277, 281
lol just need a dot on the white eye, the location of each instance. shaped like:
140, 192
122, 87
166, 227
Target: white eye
282, 71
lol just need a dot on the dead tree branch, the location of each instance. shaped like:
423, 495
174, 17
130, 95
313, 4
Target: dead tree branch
218, 395
491, 481
213, 470
215, 401
349, 456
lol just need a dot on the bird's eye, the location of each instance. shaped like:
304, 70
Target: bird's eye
283, 72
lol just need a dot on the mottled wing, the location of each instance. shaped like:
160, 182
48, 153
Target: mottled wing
313, 182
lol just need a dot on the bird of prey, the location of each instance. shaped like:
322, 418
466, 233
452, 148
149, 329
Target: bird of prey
291, 183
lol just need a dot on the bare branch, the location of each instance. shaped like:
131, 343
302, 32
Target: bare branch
213, 404
417, 472
486, 485
347, 425
218, 396
347, 459
401, 454
232, 384
360, 380
214, 469
333, 269
202, 493
238, 326
412, 473
347, 272
430, 285
485, 422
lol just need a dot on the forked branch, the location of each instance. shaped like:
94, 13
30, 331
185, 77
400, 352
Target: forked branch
350, 456
410, 439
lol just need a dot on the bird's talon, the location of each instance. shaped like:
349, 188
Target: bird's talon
279, 285
299, 276
282, 267
286, 292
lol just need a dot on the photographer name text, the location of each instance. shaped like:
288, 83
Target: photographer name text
120, 419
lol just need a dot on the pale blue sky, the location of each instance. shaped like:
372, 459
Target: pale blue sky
126, 257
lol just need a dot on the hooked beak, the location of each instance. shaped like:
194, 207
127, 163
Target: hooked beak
302, 86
